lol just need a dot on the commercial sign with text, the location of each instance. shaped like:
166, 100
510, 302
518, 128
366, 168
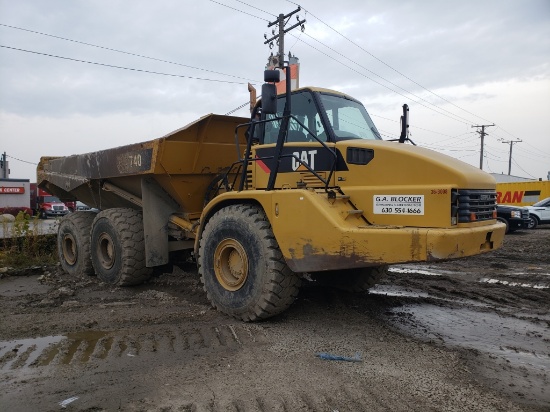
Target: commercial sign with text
12, 190
398, 204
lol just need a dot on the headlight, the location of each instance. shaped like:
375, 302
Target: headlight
516, 213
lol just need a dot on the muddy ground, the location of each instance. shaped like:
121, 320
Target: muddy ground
467, 335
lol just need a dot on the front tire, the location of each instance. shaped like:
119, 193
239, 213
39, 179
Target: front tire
241, 266
507, 230
118, 247
533, 222
73, 243
351, 280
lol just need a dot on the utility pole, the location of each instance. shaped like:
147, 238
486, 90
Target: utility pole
482, 134
283, 130
510, 158
280, 36
4, 164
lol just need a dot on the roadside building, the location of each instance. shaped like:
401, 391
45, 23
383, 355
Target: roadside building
14, 193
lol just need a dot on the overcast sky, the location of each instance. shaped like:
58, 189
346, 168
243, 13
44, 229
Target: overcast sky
456, 64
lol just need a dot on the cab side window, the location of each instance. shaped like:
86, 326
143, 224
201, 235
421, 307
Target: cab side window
305, 122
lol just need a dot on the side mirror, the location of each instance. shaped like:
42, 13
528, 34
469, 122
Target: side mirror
269, 98
272, 76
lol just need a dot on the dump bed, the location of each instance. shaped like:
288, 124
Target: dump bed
183, 163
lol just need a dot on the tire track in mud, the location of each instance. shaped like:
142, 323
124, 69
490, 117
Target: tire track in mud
339, 398
93, 346
82, 348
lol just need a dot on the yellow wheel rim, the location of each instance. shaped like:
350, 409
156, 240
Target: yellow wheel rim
68, 248
106, 251
231, 264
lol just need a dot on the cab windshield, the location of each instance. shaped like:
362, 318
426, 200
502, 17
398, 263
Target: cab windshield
349, 119
51, 199
543, 202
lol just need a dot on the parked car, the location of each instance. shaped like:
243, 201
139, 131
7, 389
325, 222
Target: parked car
513, 217
82, 206
539, 213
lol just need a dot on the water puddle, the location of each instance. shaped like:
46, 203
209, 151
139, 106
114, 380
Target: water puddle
422, 270
395, 291
403, 270
88, 346
24, 353
513, 284
520, 342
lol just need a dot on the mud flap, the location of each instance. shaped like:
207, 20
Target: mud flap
157, 208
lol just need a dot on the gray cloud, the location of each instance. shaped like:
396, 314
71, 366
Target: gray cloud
444, 46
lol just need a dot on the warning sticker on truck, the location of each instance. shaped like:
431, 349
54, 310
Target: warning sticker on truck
398, 204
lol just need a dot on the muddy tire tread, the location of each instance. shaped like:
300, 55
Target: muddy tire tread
82, 222
281, 290
129, 225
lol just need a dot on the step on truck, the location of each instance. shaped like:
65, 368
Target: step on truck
304, 186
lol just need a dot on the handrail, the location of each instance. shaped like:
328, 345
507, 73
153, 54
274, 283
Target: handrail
247, 158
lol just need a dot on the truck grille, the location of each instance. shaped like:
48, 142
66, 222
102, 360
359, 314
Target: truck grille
476, 205
57, 207
524, 213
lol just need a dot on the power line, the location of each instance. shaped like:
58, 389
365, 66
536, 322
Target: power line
540, 155
537, 148
237, 108
123, 52
24, 161
381, 77
388, 81
253, 7
466, 121
241, 11
122, 67
391, 67
381, 84
523, 170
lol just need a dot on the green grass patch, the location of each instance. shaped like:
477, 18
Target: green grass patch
24, 243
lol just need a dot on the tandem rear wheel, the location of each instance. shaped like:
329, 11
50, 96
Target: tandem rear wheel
241, 266
73, 243
118, 248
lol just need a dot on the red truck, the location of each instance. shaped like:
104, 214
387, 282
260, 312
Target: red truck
45, 205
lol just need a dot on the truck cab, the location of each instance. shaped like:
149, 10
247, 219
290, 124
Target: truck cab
50, 206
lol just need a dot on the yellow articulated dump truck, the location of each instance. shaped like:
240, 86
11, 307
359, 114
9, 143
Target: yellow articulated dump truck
305, 186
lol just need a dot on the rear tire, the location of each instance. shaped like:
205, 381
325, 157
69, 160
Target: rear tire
118, 247
533, 222
241, 266
351, 280
73, 243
